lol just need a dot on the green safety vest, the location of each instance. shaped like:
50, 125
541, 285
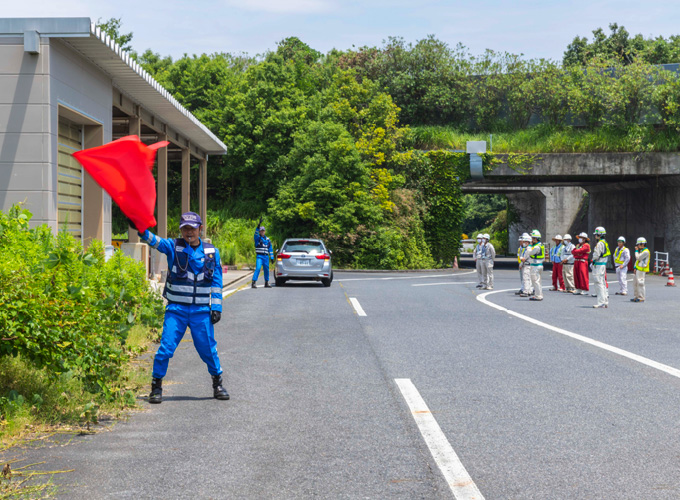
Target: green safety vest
618, 255
540, 257
607, 253
646, 268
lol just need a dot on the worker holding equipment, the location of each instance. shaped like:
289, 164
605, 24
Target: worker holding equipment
642, 258
556, 259
477, 256
488, 255
601, 254
568, 264
580, 253
194, 294
621, 260
263, 253
535, 256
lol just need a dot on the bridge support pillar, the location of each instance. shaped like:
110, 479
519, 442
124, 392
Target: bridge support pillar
551, 210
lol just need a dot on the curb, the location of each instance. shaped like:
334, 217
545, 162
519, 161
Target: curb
248, 276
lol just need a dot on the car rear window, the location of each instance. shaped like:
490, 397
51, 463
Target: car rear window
310, 247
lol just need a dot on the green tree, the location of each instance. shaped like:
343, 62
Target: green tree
112, 28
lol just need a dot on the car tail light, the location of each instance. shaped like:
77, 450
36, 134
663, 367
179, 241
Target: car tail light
323, 256
282, 256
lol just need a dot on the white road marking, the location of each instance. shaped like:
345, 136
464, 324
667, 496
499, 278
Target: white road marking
447, 283
407, 277
357, 306
621, 352
230, 292
461, 484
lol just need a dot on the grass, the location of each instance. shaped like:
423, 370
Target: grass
35, 402
546, 139
35, 405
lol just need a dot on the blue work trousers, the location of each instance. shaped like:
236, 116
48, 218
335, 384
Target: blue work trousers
177, 319
262, 262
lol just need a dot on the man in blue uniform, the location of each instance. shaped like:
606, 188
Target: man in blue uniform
194, 294
264, 252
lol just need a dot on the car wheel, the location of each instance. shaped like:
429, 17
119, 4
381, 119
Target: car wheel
279, 281
326, 281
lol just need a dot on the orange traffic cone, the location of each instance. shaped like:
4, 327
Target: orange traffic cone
671, 281
455, 263
665, 270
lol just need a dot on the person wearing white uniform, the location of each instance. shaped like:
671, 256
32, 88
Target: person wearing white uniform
568, 264
600, 256
535, 256
488, 255
642, 258
476, 254
525, 267
520, 254
621, 260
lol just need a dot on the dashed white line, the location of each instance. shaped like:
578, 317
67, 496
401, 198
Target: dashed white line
446, 283
621, 352
461, 484
357, 306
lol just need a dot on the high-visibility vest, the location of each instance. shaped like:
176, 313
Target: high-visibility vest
637, 262
606, 253
183, 286
618, 255
538, 257
519, 254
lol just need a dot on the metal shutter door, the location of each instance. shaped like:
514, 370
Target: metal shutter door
70, 179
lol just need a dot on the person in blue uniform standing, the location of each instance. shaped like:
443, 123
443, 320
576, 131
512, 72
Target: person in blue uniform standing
194, 294
264, 252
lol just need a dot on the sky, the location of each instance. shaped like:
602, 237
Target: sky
537, 29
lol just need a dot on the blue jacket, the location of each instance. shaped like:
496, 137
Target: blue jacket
263, 245
194, 275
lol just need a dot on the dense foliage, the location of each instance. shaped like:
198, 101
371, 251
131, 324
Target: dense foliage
68, 310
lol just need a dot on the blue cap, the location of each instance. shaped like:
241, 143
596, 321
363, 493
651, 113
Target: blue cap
190, 219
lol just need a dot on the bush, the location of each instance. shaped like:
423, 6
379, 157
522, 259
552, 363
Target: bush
66, 310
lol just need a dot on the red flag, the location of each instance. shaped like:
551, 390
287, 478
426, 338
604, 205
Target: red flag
123, 169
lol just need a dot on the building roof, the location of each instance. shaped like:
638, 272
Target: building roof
128, 76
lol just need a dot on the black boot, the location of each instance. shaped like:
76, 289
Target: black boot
156, 395
253, 285
267, 285
219, 392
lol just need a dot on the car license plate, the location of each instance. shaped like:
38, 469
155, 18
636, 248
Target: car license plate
303, 262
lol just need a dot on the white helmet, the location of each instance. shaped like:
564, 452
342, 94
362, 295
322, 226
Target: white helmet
526, 237
486, 236
536, 234
583, 235
641, 241
480, 236
558, 237
600, 231
621, 238
567, 236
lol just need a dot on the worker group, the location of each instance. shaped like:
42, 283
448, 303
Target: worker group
571, 264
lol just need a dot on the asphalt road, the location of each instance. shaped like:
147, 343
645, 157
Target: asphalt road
316, 411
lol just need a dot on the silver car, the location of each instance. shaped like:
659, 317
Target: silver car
303, 259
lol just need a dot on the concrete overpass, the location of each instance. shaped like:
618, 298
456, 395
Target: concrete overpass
630, 194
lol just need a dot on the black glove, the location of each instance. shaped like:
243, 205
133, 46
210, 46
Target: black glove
259, 224
215, 317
